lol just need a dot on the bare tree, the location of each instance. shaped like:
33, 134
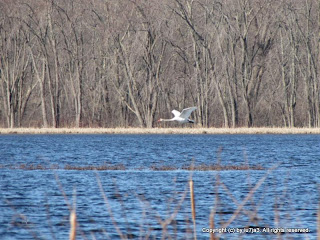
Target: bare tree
139, 62
14, 62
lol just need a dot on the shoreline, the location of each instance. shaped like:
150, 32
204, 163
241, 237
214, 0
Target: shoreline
262, 130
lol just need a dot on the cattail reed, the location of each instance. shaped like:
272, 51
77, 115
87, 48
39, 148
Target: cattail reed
73, 224
193, 207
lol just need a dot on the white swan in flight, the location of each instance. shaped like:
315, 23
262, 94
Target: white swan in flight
182, 117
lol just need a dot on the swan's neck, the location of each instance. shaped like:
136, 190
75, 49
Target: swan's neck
166, 120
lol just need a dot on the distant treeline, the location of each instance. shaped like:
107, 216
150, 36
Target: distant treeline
119, 63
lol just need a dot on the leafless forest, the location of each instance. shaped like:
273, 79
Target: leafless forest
120, 63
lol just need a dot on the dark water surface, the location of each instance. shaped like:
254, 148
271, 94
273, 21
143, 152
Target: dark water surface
33, 205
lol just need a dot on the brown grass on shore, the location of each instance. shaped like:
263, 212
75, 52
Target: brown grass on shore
191, 130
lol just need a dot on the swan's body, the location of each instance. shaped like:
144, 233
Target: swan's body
182, 117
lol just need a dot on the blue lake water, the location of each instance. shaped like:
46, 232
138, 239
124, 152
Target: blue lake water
34, 204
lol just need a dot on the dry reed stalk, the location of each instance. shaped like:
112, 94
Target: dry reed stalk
173, 215
47, 206
216, 202
318, 223
106, 201
248, 197
22, 220
228, 192
211, 220
73, 224
193, 208
62, 191
164, 223
276, 217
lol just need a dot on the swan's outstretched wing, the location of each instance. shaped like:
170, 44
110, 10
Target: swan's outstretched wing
176, 113
187, 112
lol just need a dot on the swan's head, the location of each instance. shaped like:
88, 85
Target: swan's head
160, 120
